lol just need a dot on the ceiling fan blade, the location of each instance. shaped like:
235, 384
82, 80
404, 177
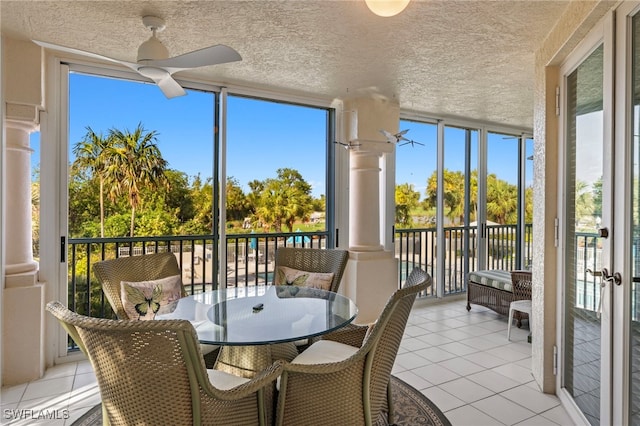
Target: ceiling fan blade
170, 87
83, 53
163, 79
213, 55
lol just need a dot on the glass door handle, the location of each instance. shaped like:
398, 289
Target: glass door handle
594, 273
613, 278
605, 277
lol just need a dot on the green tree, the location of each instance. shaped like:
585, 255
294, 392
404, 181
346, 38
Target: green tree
156, 221
83, 211
502, 200
597, 198
237, 203
92, 155
136, 162
35, 217
201, 194
528, 205
284, 200
319, 204
585, 208
406, 199
454, 184
117, 225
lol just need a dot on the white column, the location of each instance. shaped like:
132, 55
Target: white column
23, 296
371, 275
364, 199
19, 256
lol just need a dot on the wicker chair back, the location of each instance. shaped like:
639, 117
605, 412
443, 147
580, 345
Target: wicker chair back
110, 273
153, 373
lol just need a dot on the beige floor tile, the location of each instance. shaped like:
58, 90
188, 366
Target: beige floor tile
436, 374
506, 411
48, 387
12, 393
461, 366
443, 399
515, 372
466, 390
492, 380
468, 415
532, 399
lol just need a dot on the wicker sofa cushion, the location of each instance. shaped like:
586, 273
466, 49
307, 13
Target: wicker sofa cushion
495, 278
142, 300
286, 275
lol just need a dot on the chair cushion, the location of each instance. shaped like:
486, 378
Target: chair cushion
290, 276
142, 300
325, 351
225, 381
495, 278
521, 306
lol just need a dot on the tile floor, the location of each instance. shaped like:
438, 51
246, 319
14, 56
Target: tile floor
462, 361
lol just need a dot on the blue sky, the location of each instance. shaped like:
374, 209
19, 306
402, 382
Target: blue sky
262, 136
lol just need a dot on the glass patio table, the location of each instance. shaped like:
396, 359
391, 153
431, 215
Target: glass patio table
247, 321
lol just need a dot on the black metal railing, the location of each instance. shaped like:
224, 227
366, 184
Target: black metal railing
250, 258
249, 261
418, 248
588, 257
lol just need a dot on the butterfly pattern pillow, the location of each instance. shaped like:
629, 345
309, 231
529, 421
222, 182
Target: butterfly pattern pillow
290, 276
143, 299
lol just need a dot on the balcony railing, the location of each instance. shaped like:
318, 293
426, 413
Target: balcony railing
250, 260
418, 248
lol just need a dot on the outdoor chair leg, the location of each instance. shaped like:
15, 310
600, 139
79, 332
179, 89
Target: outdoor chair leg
391, 414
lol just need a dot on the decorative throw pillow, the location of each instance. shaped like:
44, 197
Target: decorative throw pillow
142, 300
290, 276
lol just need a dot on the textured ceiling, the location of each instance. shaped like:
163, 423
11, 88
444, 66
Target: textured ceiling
470, 59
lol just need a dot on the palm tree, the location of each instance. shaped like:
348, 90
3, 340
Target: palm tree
135, 162
502, 200
283, 200
92, 154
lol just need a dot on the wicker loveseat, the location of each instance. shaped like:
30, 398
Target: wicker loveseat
496, 289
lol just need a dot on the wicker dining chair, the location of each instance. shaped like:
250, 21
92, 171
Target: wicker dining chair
147, 267
309, 260
110, 273
334, 383
314, 260
152, 373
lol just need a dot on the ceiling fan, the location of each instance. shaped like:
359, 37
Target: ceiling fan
154, 62
398, 137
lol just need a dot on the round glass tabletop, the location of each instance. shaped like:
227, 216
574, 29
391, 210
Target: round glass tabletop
262, 315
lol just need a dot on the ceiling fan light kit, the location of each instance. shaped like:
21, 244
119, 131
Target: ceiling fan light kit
152, 49
386, 8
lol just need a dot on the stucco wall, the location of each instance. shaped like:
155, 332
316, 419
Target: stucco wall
579, 18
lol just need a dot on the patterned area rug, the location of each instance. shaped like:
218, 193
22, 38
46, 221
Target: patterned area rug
411, 408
